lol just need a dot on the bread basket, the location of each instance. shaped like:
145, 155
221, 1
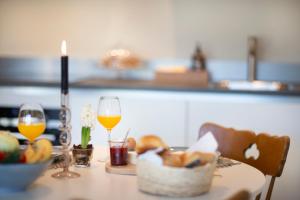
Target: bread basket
172, 181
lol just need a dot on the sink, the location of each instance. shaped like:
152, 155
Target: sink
252, 85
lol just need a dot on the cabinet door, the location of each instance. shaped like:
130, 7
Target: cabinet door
272, 114
155, 116
142, 111
15, 96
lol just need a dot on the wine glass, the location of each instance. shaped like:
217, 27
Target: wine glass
109, 113
31, 121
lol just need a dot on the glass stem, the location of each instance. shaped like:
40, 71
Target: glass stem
67, 158
108, 142
108, 137
64, 100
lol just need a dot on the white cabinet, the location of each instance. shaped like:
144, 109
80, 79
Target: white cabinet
15, 96
145, 112
278, 115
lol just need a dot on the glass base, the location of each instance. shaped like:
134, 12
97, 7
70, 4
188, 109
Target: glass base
103, 159
82, 165
65, 175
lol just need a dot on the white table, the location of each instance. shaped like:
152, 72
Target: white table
95, 183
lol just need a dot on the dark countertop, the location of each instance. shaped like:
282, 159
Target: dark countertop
99, 83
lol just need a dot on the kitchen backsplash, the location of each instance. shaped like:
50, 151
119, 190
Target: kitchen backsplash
45, 69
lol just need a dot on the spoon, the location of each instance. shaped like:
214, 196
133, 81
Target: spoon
127, 133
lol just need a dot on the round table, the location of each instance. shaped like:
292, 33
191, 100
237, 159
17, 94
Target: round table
95, 183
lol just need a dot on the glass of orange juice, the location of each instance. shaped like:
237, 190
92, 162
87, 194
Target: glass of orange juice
31, 122
109, 113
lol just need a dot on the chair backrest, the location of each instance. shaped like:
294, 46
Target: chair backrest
241, 195
234, 143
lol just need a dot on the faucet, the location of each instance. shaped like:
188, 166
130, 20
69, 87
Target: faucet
252, 83
252, 58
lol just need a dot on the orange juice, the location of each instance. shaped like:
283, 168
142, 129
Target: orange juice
109, 122
31, 131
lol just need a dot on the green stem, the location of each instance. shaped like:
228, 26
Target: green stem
85, 136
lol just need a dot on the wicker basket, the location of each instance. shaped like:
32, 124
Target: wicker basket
175, 182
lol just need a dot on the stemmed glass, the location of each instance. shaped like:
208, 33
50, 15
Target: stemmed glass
31, 121
109, 113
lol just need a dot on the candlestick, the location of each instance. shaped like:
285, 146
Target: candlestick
65, 118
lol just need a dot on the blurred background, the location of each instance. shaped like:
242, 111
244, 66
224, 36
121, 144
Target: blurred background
160, 34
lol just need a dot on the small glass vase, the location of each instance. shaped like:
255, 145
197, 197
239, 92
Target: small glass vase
82, 157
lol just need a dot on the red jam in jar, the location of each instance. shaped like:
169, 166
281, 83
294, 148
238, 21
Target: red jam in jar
118, 155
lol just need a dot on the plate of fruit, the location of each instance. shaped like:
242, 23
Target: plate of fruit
20, 167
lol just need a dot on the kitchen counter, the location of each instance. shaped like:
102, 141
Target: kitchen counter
93, 83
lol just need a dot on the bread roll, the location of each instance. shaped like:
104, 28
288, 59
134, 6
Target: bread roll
206, 157
194, 157
149, 142
131, 143
172, 159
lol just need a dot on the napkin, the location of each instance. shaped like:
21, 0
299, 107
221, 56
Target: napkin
152, 156
207, 143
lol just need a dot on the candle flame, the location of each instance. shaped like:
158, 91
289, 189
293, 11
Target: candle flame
64, 48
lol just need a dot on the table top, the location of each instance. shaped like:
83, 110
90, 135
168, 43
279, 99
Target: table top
95, 183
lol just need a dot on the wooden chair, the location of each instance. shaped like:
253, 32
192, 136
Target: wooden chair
233, 144
241, 195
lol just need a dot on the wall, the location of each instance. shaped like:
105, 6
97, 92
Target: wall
91, 27
223, 26
154, 29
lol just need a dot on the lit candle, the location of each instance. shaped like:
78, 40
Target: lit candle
64, 69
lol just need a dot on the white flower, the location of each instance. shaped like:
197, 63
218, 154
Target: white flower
88, 116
